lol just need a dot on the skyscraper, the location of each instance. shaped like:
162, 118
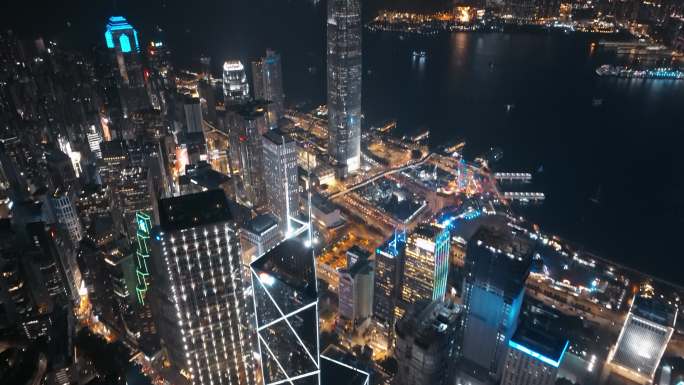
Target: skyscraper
280, 176
193, 115
344, 84
426, 264
497, 264
246, 124
286, 302
202, 318
426, 339
122, 40
389, 270
356, 292
267, 76
534, 356
235, 85
286, 310
643, 338
63, 202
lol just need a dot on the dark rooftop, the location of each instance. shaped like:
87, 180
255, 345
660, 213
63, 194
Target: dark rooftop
655, 310
193, 210
279, 263
490, 260
261, 223
277, 136
250, 110
540, 341
339, 368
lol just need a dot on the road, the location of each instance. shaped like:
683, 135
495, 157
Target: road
380, 175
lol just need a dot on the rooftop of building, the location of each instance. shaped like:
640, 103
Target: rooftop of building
428, 322
539, 343
322, 203
261, 223
359, 251
655, 309
503, 240
278, 136
506, 268
193, 210
362, 266
250, 110
340, 368
113, 149
288, 270
203, 175
425, 230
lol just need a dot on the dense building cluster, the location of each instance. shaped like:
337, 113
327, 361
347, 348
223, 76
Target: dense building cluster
193, 229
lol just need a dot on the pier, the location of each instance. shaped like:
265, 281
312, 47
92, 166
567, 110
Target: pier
525, 196
524, 177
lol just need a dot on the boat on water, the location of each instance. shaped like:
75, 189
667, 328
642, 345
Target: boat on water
597, 102
419, 54
640, 73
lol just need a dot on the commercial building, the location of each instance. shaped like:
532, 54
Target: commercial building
193, 115
280, 176
344, 84
534, 356
267, 76
246, 123
258, 236
63, 202
389, 271
426, 264
199, 283
497, 263
356, 292
235, 85
122, 40
643, 339
426, 343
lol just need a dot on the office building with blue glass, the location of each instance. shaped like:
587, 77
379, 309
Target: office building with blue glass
497, 263
534, 356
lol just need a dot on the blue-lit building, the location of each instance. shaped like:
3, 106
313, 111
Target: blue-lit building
121, 36
497, 263
534, 356
121, 39
389, 266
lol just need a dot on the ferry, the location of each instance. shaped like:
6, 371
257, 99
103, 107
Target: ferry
419, 54
650, 73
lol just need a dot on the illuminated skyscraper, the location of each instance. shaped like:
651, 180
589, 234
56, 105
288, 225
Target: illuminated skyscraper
534, 356
246, 124
267, 76
426, 265
344, 83
122, 40
389, 270
643, 339
286, 302
280, 176
286, 308
203, 315
497, 264
235, 85
63, 202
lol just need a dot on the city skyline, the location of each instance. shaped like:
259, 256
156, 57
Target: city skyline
346, 194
